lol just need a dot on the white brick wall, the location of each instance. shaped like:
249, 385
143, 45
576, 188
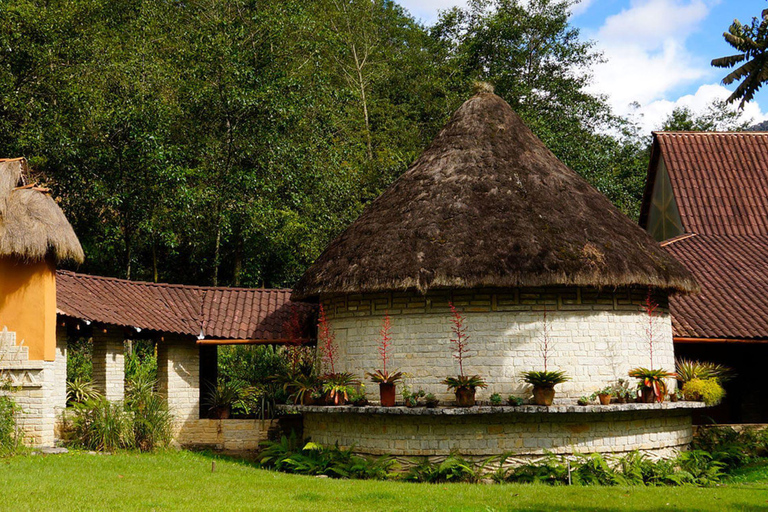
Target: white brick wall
595, 337
38, 388
178, 373
109, 363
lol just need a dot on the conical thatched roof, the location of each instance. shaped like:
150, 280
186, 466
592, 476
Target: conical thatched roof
488, 205
31, 223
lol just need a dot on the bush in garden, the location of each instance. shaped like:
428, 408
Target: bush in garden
79, 360
143, 421
291, 455
9, 439
152, 422
709, 391
102, 425
80, 391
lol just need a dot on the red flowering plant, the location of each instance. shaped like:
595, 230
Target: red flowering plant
463, 385
651, 384
337, 385
383, 376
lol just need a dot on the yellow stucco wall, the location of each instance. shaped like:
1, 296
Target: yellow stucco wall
28, 304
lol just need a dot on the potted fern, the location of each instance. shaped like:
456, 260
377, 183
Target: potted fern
386, 380
465, 386
221, 397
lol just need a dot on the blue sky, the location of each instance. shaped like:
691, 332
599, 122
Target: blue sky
658, 51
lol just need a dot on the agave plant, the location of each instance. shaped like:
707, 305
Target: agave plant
302, 387
385, 377
652, 381
80, 390
465, 382
545, 379
688, 370
338, 386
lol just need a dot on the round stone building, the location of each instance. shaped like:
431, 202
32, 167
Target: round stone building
487, 218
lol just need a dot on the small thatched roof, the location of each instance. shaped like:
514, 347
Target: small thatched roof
31, 223
488, 205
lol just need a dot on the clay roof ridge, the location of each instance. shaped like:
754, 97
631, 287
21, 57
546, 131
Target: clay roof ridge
78, 275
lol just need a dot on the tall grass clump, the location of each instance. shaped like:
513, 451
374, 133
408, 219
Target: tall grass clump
142, 422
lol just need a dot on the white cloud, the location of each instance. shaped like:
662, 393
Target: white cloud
581, 7
647, 56
645, 48
656, 112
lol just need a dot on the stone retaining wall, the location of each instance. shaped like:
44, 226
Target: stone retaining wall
524, 434
227, 435
595, 336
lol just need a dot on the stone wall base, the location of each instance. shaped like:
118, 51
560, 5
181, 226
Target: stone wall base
524, 435
232, 435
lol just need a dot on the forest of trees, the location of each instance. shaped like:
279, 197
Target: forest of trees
226, 143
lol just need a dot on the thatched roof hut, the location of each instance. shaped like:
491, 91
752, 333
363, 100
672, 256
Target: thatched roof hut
488, 205
32, 225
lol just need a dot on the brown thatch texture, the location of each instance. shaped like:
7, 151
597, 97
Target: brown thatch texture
31, 223
488, 205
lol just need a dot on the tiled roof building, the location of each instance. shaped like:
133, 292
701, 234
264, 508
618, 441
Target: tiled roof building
706, 201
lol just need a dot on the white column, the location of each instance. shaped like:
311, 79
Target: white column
109, 363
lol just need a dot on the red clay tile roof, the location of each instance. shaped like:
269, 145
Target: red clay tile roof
720, 180
720, 183
217, 313
733, 274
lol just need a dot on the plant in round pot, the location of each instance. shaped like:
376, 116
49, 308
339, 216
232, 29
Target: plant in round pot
463, 385
386, 380
221, 397
651, 384
338, 387
544, 383
302, 388
604, 395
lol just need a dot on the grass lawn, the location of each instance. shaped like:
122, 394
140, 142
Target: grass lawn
184, 481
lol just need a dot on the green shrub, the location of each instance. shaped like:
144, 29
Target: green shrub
79, 359
143, 421
102, 425
709, 391
140, 362
594, 470
552, 471
80, 391
152, 422
290, 455
731, 447
453, 469
9, 439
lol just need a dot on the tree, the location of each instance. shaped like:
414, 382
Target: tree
718, 116
751, 41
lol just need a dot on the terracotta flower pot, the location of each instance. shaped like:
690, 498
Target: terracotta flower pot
604, 399
387, 392
465, 397
543, 396
222, 413
647, 396
306, 399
